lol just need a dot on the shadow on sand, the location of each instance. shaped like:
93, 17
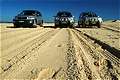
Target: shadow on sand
112, 50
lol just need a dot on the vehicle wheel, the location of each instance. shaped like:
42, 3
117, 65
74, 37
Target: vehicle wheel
16, 26
80, 26
34, 24
83, 25
71, 26
56, 25
41, 24
98, 24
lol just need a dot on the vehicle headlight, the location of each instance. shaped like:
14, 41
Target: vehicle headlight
30, 17
100, 19
57, 18
31, 21
71, 19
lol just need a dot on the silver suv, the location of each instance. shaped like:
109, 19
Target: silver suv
89, 19
64, 19
28, 18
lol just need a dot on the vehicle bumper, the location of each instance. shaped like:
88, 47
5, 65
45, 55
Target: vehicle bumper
23, 22
90, 23
63, 23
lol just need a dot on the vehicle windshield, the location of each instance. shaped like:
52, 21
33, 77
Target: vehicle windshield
64, 14
28, 13
89, 14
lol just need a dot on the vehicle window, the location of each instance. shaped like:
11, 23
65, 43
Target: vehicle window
89, 14
39, 14
64, 14
28, 13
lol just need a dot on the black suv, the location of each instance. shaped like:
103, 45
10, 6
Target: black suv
29, 18
89, 19
64, 18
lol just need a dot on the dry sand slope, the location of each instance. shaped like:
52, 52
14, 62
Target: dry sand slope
55, 54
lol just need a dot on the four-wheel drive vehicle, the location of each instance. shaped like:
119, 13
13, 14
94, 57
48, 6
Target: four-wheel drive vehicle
89, 19
29, 18
64, 19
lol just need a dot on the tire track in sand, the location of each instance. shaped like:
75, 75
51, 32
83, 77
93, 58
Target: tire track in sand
34, 44
16, 33
102, 69
72, 69
12, 44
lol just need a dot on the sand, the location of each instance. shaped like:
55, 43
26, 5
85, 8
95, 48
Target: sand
58, 53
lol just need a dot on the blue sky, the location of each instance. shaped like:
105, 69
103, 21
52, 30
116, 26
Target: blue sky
108, 9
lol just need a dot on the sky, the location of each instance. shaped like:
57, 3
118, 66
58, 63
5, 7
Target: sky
107, 9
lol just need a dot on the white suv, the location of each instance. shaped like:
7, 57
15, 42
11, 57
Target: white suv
64, 19
28, 18
89, 19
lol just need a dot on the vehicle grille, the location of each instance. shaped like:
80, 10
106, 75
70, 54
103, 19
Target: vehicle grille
64, 19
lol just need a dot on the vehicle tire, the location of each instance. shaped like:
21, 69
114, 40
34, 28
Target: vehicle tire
83, 25
68, 26
34, 24
79, 25
56, 25
41, 24
98, 24
16, 26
